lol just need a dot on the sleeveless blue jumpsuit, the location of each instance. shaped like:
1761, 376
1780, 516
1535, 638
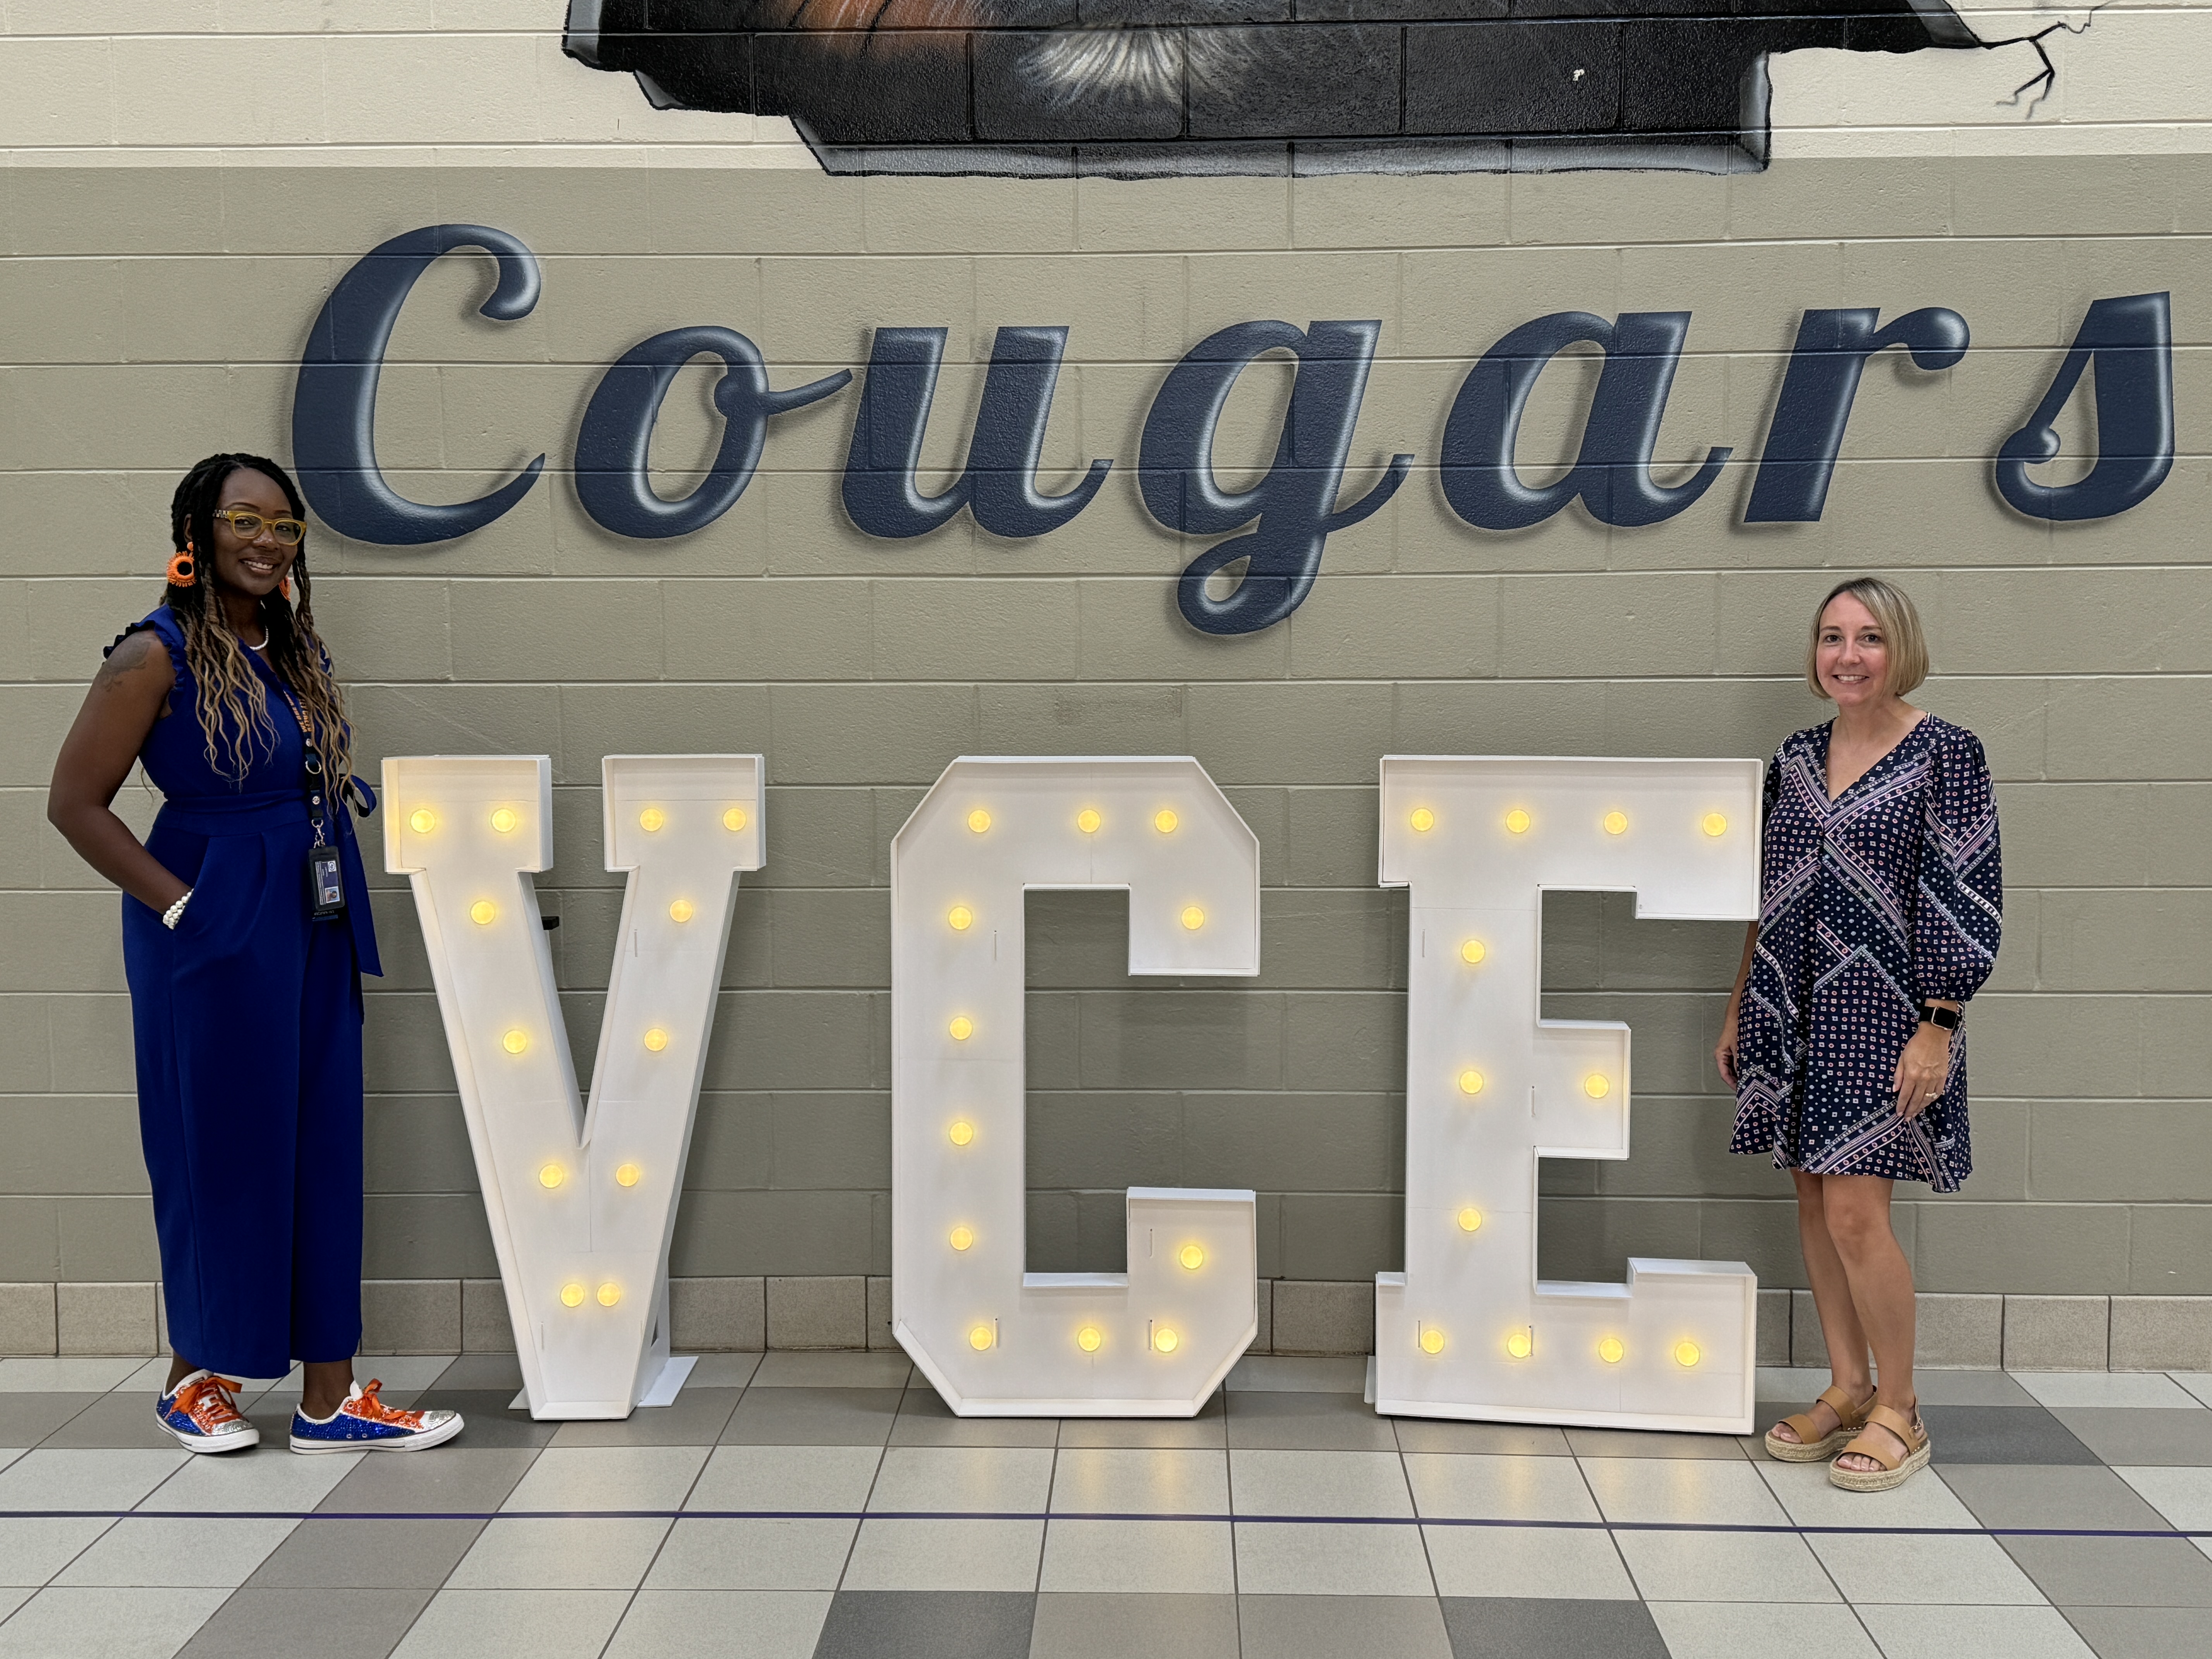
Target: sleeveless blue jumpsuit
248, 1023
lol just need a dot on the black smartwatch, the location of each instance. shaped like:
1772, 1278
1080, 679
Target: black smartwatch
1948, 1018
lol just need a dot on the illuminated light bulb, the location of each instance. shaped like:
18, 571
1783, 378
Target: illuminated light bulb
551, 1176
979, 820
1470, 1082
1192, 1257
1520, 1344
1610, 1351
571, 1295
1088, 822
979, 1338
656, 1039
1473, 951
423, 821
1432, 1340
503, 819
1686, 1353
733, 820
1166, 1341
1423, 820
1596, 1086
961, 1132
482, 912
1088, 1338
1713, 824
961, 1028
1469, 1219
610, 1294
626, 1175
1616, 823
651, 819
515, 1040
1517, 822
681, 911
961, 917
1193, 917
1165, 822
960, 1238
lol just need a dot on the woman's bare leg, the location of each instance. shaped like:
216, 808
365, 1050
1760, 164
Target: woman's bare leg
1857, 1209
1832, 1298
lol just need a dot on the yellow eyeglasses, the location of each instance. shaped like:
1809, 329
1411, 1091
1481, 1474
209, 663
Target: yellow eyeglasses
289, 532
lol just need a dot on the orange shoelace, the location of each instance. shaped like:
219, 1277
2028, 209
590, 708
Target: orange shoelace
208, 1402
371, 1408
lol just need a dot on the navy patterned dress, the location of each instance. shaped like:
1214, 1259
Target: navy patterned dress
1889, 894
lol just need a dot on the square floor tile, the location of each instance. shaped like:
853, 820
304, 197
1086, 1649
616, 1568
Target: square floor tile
400, 1373
322, 1551
2141, 1434
1970, 1388
723, 1371
1502, 1488
697, 1419
1208, 1429
151, 1553
1636, 1443
2002, 1434
267, 1478
1115, 1626
1492, 1439
28, 1419
1708, 1492
447, 1480
924, 1419
1972, 1632
493, 1421
785, 1554
115, 1419
1871, 1568
976, 1480
945, 1555
2141, 1632
478, 1373
2199, 1383
785, 1478
1135, 1480
560, 1553
1307, 1422
1732, 1630
887, 1368
512, 1624
785, 1416
1330, 1626
38, 1374
722, 1624
2183, 1496
608, 1478
2112, 1389
1813, 1500
1560, 1563
1260, 1373
1522, 1627
2095, 1499
1789, 1385
2115, 1572
1309, 1558
106, 1623
927, 1625
68, 1478
34, 1551
1318, 1483
328, 1622
1175, 1557
1724, 1566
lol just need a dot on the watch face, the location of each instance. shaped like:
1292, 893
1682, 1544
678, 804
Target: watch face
1150, 87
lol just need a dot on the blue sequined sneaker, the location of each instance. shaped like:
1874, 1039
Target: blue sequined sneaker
201, 1415
365, 1423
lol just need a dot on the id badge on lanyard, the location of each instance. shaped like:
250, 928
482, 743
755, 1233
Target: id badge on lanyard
325, 875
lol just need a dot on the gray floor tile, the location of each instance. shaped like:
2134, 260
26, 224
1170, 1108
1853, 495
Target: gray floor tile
491, 1424
927, 1625
1140, 1481
1331, 1626
608, 1478
328, 1621
880, 1368
1872, 1570
106, 1623
2151, 1389
34, 1551
723, 1623
1568, 1564
1632, 1442
1004, 1479
979, 1554
325, 1553
2114, 1573
28, 1419
1972, 1632
1969, 1388
508, 1623
600, 1552
473, 1373
125, 1420
72, 1374
77, 1477
2002, 1434
1724, 1566
1307, 1422
174, 1552
785, 1478
1805, 1490
813, 1417
1509, 1627
723, 1371
267, 1479
444, 1480
2140, 1633
2183, 1495
1642, 1489
1497, 1439
1071, 1625
2141, 1435
924, 1419
1183, 1558
1735, 1630
1303, 1558
2094, 1498
783, 1554
697, 1419
1209, 1428
1319, 1482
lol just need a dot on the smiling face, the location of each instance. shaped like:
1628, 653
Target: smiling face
1851, 655
253, 567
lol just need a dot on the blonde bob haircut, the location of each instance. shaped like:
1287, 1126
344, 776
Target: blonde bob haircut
1900, 623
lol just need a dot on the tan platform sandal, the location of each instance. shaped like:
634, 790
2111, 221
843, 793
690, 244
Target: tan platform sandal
1850, 1416
1894, 1471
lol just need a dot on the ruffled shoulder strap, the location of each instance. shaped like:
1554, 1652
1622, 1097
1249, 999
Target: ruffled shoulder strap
161, 621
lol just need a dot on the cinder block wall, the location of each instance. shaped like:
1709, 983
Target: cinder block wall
153, 308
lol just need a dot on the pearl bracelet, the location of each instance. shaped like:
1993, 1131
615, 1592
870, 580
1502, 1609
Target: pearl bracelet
169, 916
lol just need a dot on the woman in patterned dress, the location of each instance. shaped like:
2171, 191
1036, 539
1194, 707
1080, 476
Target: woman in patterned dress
1880, 904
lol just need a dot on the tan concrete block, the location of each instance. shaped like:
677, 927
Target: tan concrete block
824, 311
106, 1239
755, 211
804, 529
417, 88
2178, 852
2170, 1249
1127, 216
1301, 288
28, 1319
92, 1045
2127, 728
958, 215
966, 629
1625, 624
868, 734
566, 210
2038, 1251
1773, 1338
1515, 285
2107, 941
1369, 209
826, 1311
2145, 1151
2161, 1333
1842, 199
410, 1316
1808, 1346
593, 630
2057, 1333
111, 1318
382, 628
716, 1316
1397, 628
1746, 299
1079, 718
486, 1327
1137, 313
1265, 1341
61, 311
1321, 1316
598, 720
1132, 630
1959, 1332
1292, 733
770, 629
879, 1314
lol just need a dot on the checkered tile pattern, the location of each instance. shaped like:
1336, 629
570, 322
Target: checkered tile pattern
827, 1505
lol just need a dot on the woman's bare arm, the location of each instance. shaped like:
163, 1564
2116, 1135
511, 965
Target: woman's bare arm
126, 697
1724, 1051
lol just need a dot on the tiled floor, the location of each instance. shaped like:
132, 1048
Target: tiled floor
829, 1506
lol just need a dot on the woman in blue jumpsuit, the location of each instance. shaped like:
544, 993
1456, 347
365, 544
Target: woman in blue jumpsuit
246, 931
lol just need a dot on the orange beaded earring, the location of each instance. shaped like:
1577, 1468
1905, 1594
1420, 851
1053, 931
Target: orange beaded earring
184, 568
